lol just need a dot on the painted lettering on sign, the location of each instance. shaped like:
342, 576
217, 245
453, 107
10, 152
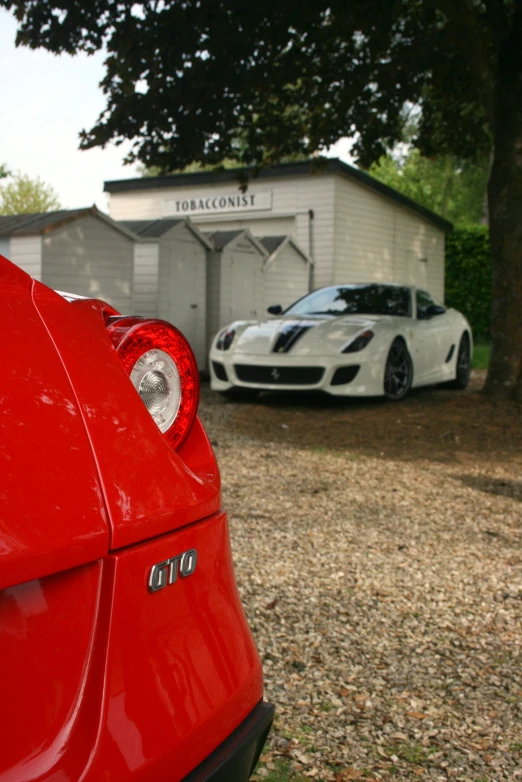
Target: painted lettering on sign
212, 204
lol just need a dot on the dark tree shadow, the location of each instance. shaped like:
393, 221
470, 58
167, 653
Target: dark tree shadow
503, 487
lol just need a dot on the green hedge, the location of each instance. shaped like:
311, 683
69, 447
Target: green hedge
468, 277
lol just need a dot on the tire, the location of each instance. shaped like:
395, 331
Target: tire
463, 367
398, 374
237, 394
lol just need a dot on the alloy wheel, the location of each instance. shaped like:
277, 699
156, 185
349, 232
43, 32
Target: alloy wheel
399, 372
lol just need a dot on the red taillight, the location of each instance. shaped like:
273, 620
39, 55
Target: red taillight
162, 368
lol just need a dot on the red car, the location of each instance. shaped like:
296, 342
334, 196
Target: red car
124, 650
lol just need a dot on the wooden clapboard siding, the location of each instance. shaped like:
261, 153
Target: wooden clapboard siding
377, 240
436, 254
239, 265
5, 246
90, 258
214, 294
269, 226
182, 287
26, 252
357, 232
292, 198
145, 289
141, 205
286, 277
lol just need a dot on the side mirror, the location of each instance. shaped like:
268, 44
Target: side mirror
425, 313
275, 309
435, 309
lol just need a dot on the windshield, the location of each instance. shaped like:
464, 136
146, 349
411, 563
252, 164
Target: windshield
355, 299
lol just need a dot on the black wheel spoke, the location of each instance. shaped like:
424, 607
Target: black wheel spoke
398, 373
463, 365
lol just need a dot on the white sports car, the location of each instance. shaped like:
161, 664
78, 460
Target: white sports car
348, 340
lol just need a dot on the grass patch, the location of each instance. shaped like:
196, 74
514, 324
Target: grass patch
481, 356
415, 754
281, 773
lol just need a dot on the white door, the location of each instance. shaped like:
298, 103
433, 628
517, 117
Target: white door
432, 341
182, 293
243, 285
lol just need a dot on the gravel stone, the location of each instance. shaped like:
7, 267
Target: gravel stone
380, 566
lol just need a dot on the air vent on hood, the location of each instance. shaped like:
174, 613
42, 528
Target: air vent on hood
288, 336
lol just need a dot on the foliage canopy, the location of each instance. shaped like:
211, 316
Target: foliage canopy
453, 188
185, 79
468, 277
23, 195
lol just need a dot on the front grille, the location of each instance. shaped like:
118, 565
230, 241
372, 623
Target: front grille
344, 375
219, 371
280, 376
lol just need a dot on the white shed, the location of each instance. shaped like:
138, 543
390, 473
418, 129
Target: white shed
170, 259
286, 271
82, 251
355, 228
235, 284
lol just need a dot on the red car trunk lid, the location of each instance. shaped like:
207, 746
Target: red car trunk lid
52, 513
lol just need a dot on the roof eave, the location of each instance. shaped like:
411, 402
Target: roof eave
301, 168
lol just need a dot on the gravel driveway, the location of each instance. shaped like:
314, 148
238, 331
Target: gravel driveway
378, 551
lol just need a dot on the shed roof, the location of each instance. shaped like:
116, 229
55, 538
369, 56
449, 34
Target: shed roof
37, 222
150, 229
221, 239
317, 166
274, 244
271, 243
155, 229
44, 222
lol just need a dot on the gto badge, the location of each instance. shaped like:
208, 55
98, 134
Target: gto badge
165, 573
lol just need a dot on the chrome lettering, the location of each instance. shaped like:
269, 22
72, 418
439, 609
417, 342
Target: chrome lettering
166, 573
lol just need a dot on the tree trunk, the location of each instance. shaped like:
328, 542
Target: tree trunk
449, 178
484, 217
504, 378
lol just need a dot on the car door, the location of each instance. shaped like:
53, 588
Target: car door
432, 338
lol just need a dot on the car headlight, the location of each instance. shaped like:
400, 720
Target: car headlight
359, 343
225, 339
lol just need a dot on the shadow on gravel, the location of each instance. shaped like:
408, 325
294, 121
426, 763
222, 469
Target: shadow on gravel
435, 423
499, 487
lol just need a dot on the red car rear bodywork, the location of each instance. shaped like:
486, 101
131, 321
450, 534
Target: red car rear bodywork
103, 675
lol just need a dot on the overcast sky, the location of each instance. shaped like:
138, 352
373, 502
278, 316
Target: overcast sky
45, 101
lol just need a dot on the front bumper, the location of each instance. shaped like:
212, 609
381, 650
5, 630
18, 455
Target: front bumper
367, 380
234, 760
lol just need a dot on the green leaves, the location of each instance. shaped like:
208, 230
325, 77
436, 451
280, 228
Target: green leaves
184, 78
468, 277
453, 188
23, 195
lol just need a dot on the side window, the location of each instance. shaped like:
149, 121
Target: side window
424, 301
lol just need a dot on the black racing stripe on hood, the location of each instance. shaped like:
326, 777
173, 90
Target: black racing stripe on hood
288, 336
